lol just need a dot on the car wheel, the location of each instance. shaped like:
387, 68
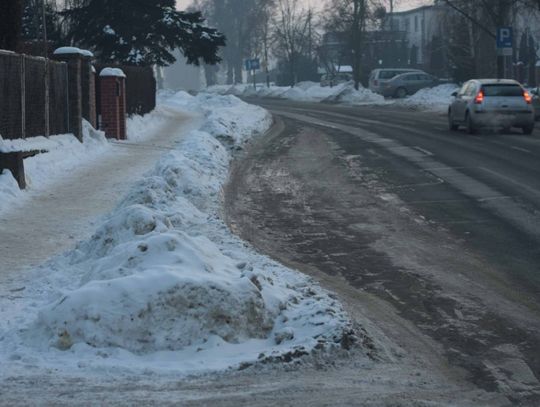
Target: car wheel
401, 93
471, 128
451, 125
528, 129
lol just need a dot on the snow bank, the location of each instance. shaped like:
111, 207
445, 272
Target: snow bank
304, 92
436, 99
164, 285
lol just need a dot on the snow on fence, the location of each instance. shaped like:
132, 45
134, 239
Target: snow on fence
25, 108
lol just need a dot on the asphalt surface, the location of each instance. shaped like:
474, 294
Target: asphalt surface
442, 227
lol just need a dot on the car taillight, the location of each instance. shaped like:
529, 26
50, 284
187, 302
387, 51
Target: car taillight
479, 98
527, 96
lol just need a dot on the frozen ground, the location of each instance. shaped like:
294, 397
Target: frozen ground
161, 286
433, 99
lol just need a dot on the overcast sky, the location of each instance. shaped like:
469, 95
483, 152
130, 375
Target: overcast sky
401, 4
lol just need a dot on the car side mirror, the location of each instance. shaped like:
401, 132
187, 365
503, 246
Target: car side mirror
454, 93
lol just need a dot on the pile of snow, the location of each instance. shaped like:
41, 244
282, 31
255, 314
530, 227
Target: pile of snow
436, 99
349, 95
304, 92
164, 285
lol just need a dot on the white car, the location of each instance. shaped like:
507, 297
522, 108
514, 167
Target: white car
491, 103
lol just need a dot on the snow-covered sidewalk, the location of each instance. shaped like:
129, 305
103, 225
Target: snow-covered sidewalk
162, 285
73, 185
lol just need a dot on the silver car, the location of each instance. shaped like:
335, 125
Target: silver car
407, 84
379, 77
491, 103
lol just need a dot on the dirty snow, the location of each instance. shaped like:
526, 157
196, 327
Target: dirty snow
163, 285
437, 98
304, 92
433, 99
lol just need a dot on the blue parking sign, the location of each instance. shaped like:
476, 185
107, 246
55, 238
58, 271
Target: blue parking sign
253, 64
504, 37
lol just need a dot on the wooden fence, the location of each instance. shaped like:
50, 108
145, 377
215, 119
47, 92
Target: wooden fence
30, 105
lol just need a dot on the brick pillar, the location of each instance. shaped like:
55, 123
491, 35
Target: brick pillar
122, 107
88, 88
113, 103
93, 105
73, 58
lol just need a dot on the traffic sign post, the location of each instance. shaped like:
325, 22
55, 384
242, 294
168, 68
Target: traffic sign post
505, 44
253, 65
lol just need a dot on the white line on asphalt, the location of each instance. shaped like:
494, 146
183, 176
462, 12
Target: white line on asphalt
423, 150
519, 184
524, 150
442, 201
447, 168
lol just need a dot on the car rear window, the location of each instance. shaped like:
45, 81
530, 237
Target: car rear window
502, 90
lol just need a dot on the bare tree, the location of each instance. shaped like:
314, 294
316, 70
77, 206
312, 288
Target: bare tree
240, 21
291, 33
350, 17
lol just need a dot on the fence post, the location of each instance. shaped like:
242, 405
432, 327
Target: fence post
23, 96
73, 58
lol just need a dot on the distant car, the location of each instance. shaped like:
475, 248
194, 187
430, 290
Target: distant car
335, 79
407, 84
378, 77
491, 103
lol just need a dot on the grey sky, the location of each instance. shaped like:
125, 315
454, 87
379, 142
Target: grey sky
401, 4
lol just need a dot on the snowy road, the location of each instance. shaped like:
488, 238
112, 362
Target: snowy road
388, 207
53, 220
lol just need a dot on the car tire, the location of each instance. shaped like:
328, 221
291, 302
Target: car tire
528, 129
401, 93
451, 125
471, 128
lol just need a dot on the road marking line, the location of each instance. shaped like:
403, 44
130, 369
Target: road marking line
519, 184
423, 150
524, 150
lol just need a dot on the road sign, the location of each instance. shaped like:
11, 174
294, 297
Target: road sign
505, 37
253, 64
505, 40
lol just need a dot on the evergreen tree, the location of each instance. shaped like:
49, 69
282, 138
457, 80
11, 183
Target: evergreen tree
142, 32
10, 24
32, 22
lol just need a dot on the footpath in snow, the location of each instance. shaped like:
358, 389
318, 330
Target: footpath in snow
162, 285
433, 99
